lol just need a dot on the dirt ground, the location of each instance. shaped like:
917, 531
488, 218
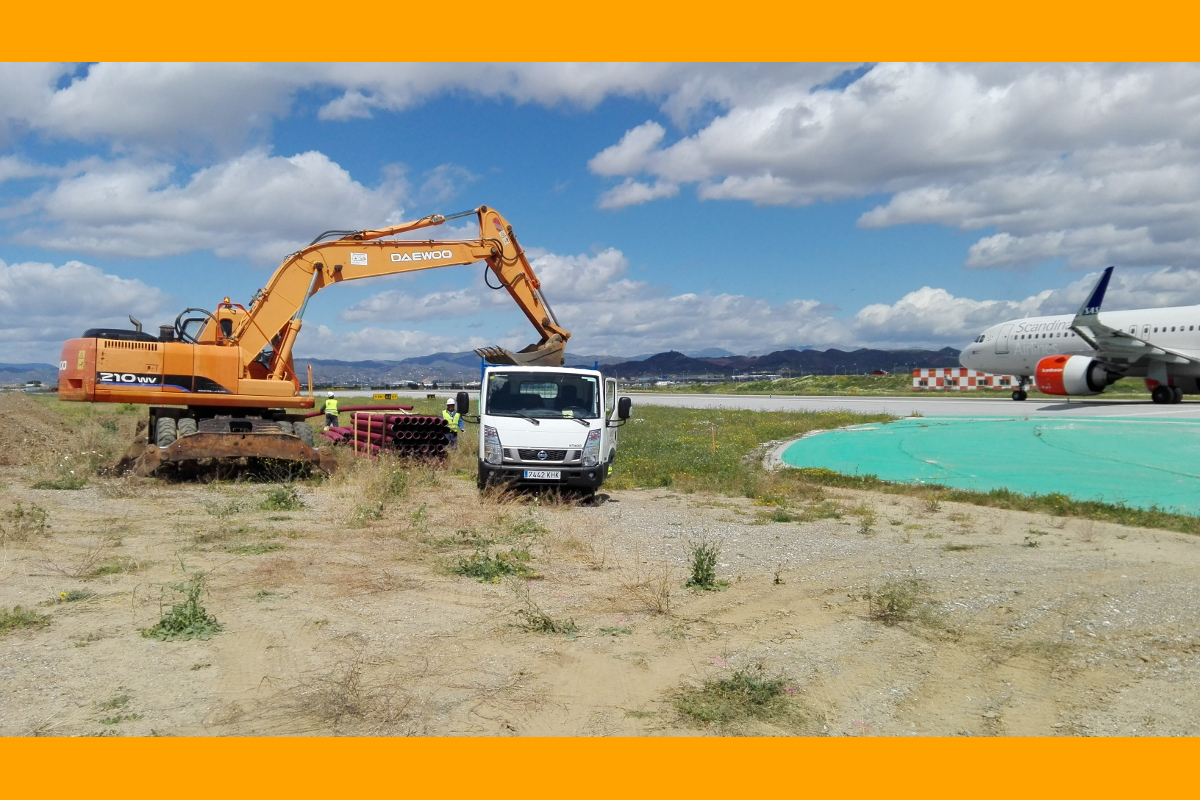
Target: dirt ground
346, 616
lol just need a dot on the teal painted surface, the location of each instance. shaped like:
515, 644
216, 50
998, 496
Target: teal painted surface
1137, 462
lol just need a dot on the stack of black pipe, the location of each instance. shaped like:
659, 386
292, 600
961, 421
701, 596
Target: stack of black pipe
411, 435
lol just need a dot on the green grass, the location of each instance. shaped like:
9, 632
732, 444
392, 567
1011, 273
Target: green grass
67, 482
489, 567
21, 618
113, 566
674, 447
74, 596
283, 498
746, 694
1057, 505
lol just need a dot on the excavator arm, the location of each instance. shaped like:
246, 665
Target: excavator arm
276, 314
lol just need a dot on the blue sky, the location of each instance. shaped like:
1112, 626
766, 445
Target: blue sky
666, 206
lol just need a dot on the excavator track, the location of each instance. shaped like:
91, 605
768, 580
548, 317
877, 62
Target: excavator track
144, 459
225, 438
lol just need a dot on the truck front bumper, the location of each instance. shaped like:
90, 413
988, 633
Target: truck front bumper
574, 477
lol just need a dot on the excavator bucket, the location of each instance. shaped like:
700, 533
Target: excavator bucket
547, 353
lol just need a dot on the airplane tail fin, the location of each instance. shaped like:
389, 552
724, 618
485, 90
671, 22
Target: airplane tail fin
1091, 306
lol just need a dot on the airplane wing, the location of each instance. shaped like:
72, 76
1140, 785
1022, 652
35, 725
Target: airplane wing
1112, 345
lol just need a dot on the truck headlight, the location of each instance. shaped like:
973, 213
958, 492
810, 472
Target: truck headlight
492, 452
591, 450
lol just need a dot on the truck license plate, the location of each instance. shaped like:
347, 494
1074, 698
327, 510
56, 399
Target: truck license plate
543, 474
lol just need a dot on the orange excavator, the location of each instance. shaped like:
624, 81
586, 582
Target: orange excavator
222, 384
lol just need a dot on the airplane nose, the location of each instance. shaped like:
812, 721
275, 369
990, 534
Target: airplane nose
965, 357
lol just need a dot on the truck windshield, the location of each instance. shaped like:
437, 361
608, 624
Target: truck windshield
545, 395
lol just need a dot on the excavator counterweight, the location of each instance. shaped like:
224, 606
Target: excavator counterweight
216, 376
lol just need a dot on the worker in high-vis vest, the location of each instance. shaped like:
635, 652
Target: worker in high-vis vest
331, 412
454, 421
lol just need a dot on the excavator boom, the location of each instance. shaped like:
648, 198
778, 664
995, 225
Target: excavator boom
366, 254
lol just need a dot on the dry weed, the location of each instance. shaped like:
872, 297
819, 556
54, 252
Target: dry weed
350, 697
85, 562
274, 572
1086, 530
591, 541
649, 587
23, 523
360, 581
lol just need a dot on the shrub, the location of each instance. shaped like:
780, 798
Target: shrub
897, 601
534, 619
22, 523
704, 565
746, 694
283, 498
186, 620
488, 567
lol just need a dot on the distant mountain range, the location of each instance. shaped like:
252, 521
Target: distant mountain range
795, 362
20, 374
465, 366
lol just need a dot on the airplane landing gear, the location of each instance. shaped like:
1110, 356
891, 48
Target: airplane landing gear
1019, 393
1166, 394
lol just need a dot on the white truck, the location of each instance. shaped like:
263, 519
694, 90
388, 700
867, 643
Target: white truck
548, 426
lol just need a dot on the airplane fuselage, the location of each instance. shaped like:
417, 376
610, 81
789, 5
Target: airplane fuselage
1015, 347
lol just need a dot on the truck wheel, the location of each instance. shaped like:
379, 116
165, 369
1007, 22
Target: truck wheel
186, 427
165, 431
286, 428
304, 431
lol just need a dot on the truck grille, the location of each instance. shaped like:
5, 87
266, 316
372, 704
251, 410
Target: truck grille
551, 455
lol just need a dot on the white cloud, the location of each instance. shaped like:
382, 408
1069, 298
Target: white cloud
320, 341
396, 306
218, 105
1093, 164
254, 205
42, 305
631, 153
632, 193
443, 183
609, 313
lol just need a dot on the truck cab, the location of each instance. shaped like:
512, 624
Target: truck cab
548, 426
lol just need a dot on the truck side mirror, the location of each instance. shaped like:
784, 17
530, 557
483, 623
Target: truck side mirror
624, 408
463, 403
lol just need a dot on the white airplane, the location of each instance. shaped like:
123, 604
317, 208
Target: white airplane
1086, 353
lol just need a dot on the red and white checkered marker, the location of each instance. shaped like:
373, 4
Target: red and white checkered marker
959, 379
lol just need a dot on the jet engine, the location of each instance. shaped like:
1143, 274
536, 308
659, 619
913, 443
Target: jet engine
1071, 375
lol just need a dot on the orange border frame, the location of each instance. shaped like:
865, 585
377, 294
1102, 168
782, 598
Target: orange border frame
564, 769
614, 30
